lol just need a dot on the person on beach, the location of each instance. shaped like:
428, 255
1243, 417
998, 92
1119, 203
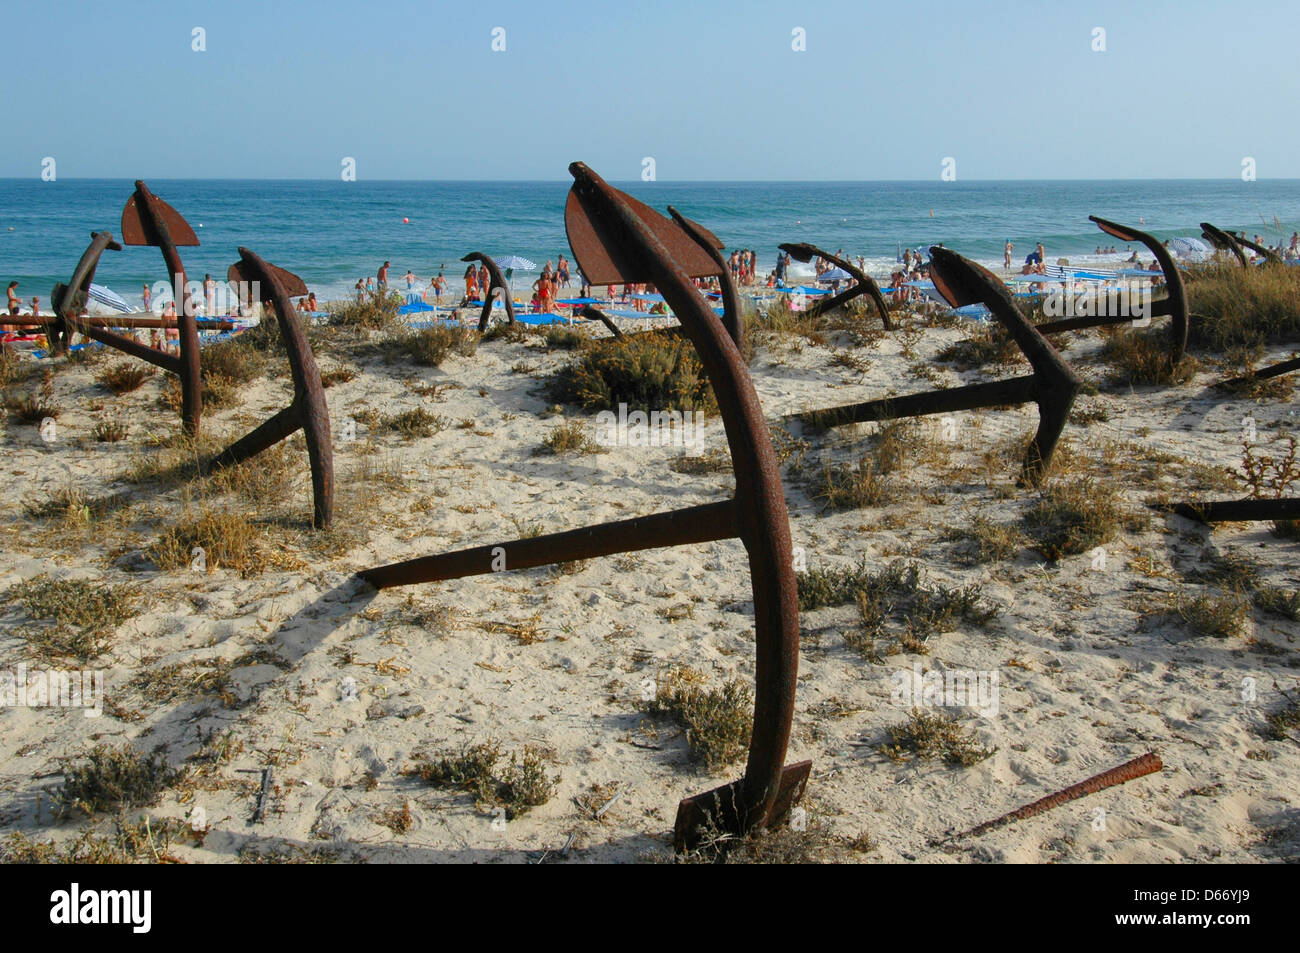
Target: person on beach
14, 304
209, 296
484, 281
361, 291
381, 280
1006, 255
543, 298
311, 303
161, 338
471, 284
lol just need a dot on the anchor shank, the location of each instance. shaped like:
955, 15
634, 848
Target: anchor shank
1015, 390
695, 524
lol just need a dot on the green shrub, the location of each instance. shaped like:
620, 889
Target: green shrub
429, 347
112, 779
655, 370
718, 721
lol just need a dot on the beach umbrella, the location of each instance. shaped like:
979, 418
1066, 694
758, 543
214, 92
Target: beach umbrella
107, 296
512, 263
834, 274
1192, 248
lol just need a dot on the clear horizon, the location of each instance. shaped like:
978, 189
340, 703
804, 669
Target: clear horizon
831, 91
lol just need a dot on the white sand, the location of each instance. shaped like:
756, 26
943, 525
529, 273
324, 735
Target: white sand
1091, 688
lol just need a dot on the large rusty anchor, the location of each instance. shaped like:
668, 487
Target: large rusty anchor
496, 284
146, 220
1174, 304
617, 239
308, 410
1236, 243
864, 283
1053, 385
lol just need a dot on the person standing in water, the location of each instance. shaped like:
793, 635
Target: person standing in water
1006, 255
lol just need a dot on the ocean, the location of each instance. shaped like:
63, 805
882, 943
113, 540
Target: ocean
331, 233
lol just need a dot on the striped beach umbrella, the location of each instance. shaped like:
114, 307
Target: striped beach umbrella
109, 298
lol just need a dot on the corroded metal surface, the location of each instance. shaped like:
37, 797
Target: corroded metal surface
611, 227
1173, 305
732, 318
1053, 385
148, 220
1236, 242
1224, 242
865, 284
68, 305
605, 265
495, 282
1236, 511
308, 410
595, 314
1128, 771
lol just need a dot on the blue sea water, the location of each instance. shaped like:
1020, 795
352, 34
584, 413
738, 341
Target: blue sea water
330, 233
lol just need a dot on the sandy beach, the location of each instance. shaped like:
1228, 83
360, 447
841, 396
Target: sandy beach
291, 663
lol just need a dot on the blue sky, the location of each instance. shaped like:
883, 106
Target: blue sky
709, 90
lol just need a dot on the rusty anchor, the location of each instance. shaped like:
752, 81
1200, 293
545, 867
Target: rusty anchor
1053, 385
308, 410
1174, 304
146, 220
865, 284
496, 285
617, 239
1236, 243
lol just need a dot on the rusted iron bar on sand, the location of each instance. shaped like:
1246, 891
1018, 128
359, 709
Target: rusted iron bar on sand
1128, 771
